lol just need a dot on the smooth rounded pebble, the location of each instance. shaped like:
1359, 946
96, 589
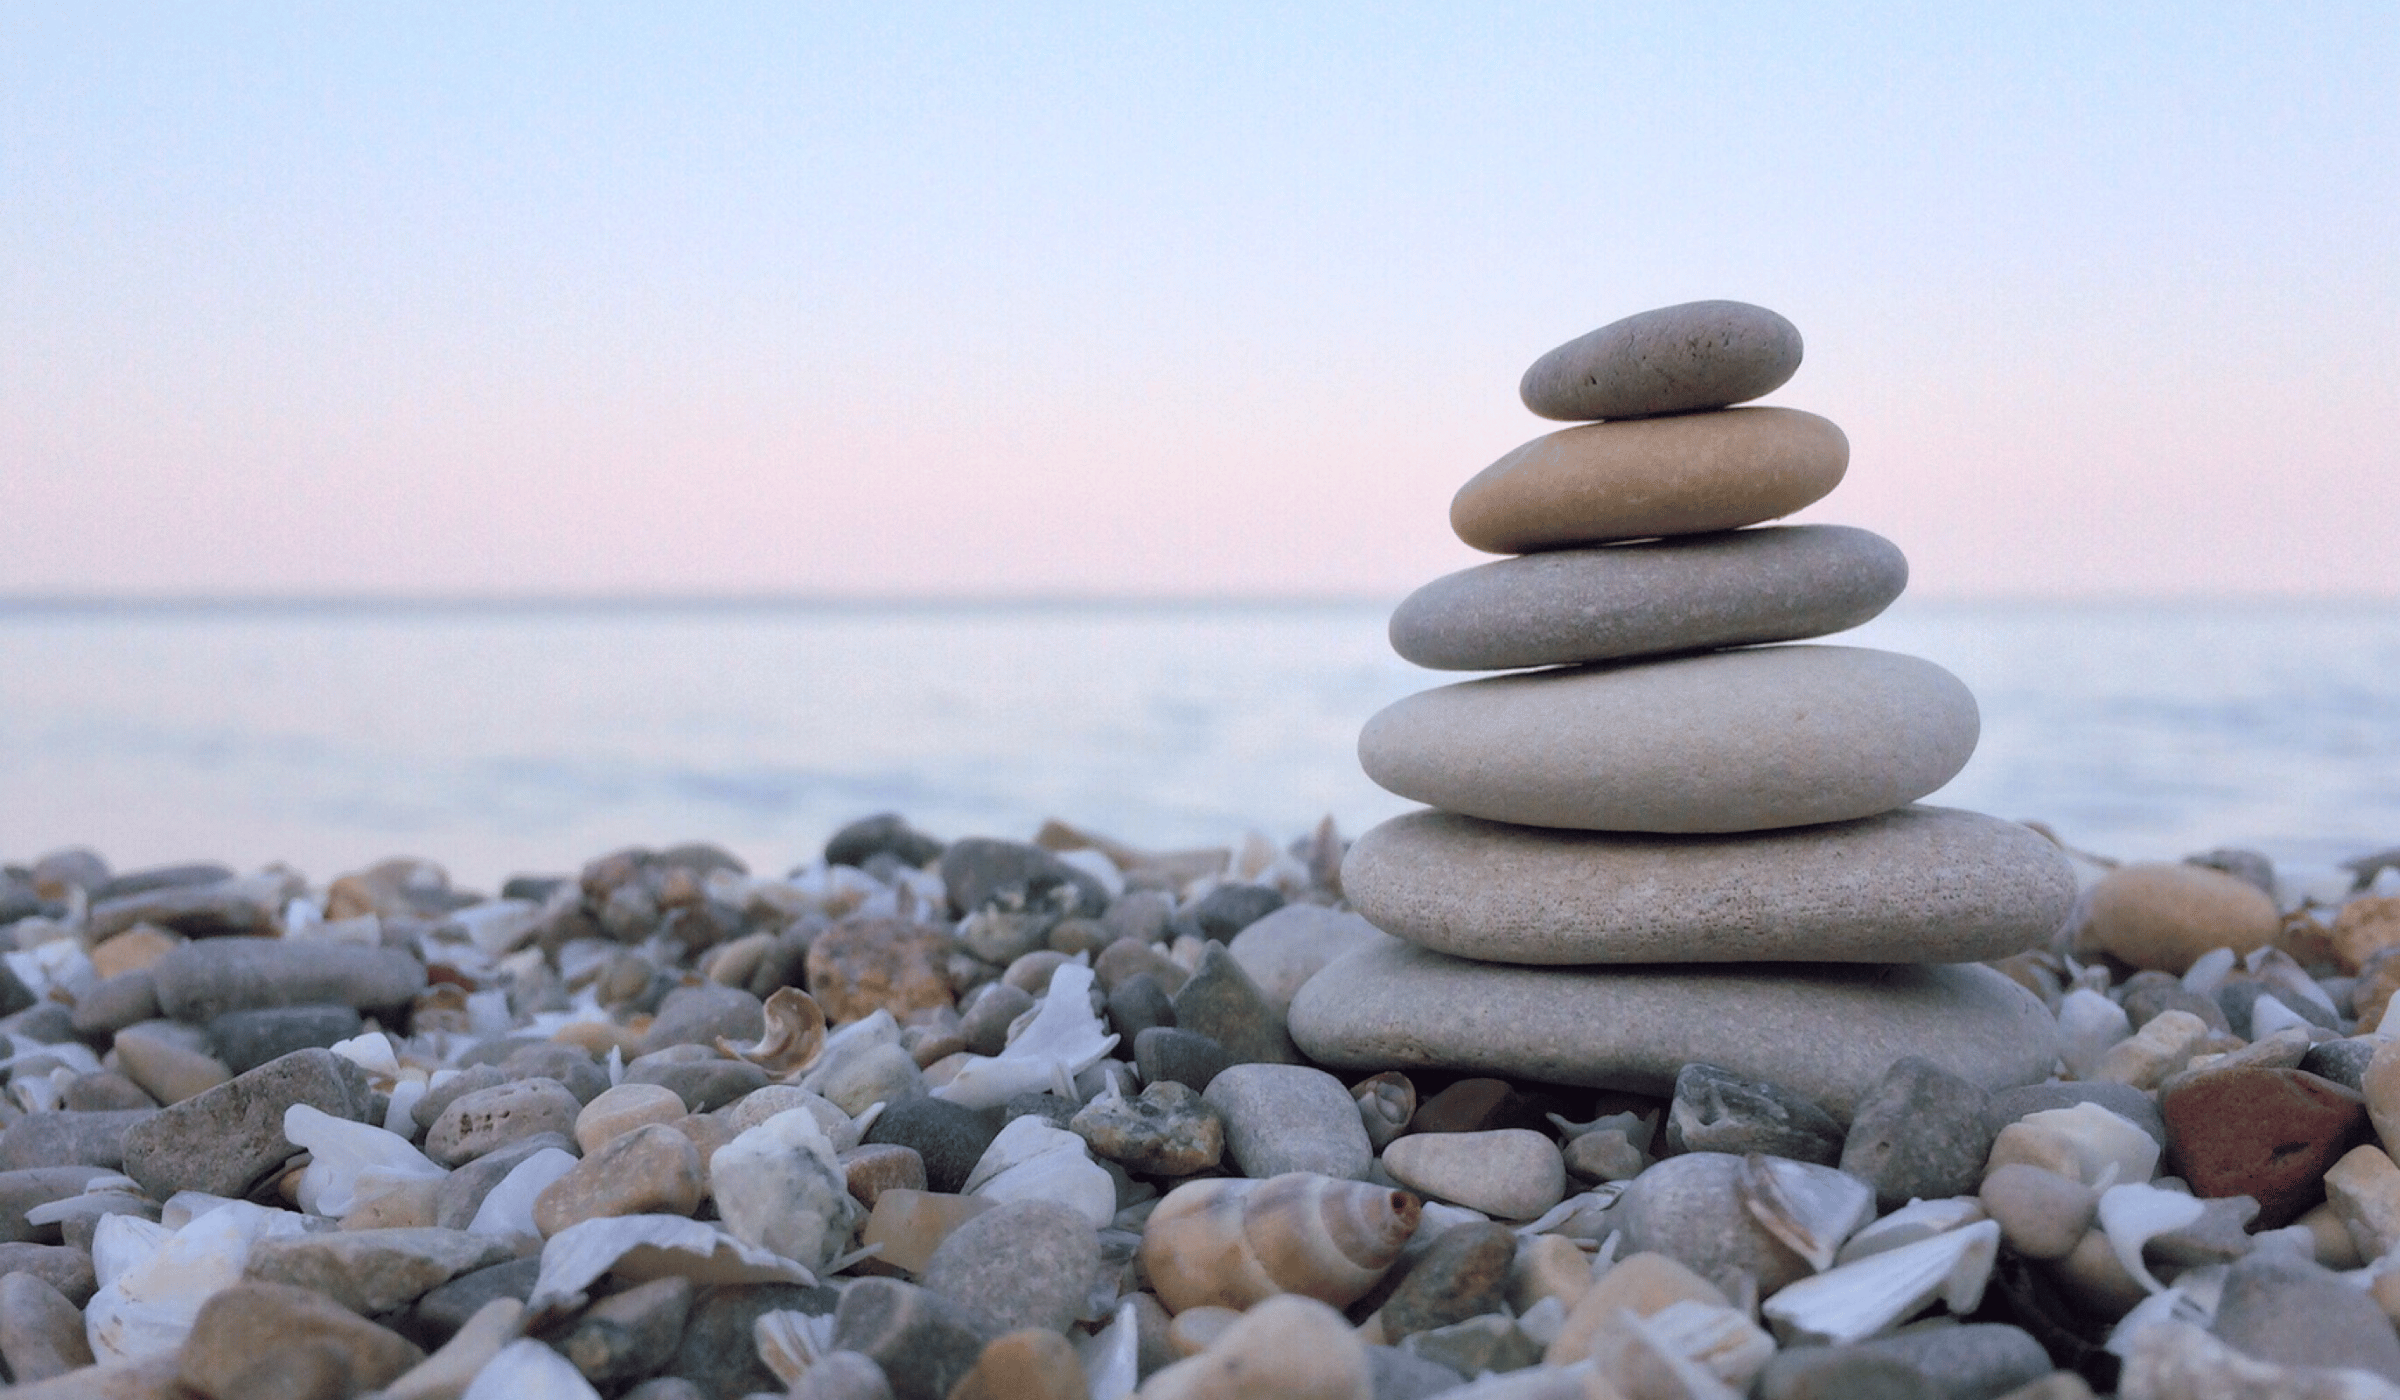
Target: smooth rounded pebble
2163, 916
1701, 354
1778, 583
1730, 741
1656, 476
1922, 884
1510, 1173
1290, 1118
1827, 1031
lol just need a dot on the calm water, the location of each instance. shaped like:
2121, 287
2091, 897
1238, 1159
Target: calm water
499, 739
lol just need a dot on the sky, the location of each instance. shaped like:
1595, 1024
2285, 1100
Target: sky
1137, 300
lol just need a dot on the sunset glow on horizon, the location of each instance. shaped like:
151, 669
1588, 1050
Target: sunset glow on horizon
1164, 302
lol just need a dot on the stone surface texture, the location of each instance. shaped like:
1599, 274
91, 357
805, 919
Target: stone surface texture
1728, 741
1667, 476
1921, 884
1675, 359
1561, 607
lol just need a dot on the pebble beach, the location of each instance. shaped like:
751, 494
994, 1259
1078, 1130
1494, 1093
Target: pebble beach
1673, 1049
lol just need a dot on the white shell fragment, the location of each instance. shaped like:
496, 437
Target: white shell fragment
2097, 1139
147, 1305
1111, 1357
2130, 1215
643, 1247
1852, 1302
1723, 1339
1918, 1220
2089, 1023
1808, 1207
791, 1342
507, 1209
528, 1370
350, 1163
1064, 1039
1032, 1161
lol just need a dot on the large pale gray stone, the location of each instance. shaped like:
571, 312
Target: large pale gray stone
1828, 1031
1922, 884
1730, 741
1701, 354
1661, 476
1780, 583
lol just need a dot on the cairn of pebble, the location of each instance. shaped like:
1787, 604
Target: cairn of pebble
1716, 829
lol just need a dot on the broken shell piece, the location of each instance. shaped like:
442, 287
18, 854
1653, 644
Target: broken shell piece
2088, 1024
1811, 1208
1231, 1242
794, 1037
1852, 1302
350, 1163
1386, 1102
791, 1342
2132, 1213
1033, 1160
639, 1248
1918, 1220
1065, 1038
2080, 1142
1723, 1339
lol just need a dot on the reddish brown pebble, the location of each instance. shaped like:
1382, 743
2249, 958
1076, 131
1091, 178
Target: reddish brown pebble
861, 966
1469, 1106
2266, 1133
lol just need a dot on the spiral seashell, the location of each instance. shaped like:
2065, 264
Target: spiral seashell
1385, 1104
795, 1035
1229, 1242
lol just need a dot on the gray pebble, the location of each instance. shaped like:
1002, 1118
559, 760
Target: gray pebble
1020, 1264
1919, 1134
1715, 1110
1290, 1118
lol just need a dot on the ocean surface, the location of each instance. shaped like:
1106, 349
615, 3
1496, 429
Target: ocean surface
500, 738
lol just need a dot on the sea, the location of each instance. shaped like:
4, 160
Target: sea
530, 736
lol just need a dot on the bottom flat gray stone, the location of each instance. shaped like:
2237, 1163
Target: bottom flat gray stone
1828, 1031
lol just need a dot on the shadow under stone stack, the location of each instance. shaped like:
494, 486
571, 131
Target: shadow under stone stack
1667, 835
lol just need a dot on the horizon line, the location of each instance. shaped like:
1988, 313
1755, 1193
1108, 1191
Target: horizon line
64, 602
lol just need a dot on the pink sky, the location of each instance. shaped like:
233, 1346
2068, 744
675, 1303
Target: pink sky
801, 303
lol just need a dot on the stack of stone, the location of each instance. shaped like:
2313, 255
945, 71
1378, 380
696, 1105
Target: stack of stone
1667, 836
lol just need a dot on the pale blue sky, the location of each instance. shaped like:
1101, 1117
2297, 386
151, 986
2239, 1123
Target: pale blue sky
1164, 300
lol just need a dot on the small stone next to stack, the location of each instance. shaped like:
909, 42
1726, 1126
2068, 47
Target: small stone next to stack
1715, 829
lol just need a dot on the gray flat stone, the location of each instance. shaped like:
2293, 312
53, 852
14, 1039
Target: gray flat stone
1922, 884
222, 1140
1729, 741
1562, 607
1828, 1031
203, 980
1290, 1118
1700, 354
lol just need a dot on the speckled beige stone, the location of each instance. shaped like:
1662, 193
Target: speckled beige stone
1701, 354
1778, 583
1826, 1031
1729, 741
1654, 476
1922, 884
2163, 916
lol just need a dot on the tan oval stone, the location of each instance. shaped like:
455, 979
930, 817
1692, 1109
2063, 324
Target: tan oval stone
620, 1109
1922, 884
1730, 741
2163, 916
1778, 583
1826, 1031
1654, 476
652, 1170
1701, 354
